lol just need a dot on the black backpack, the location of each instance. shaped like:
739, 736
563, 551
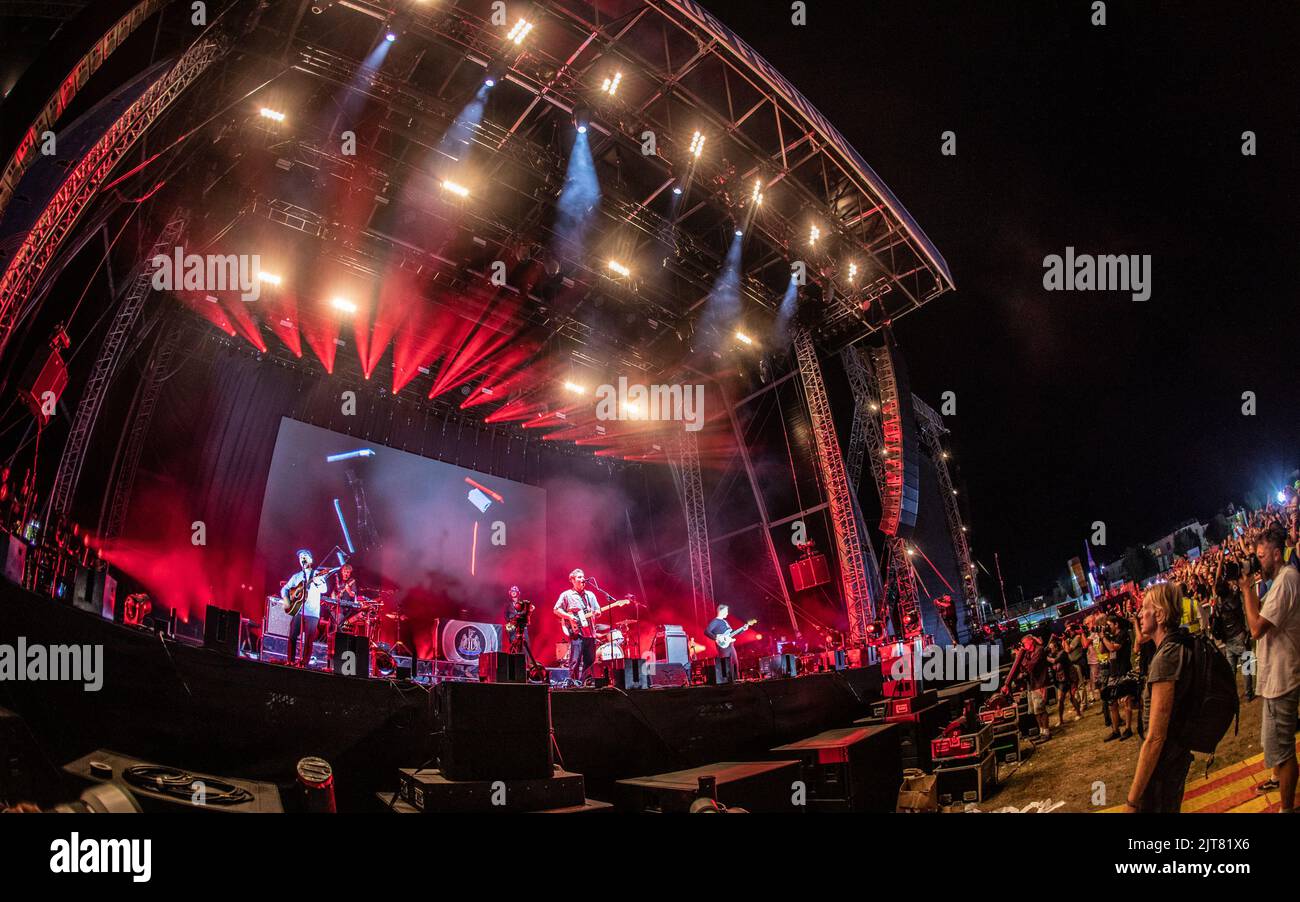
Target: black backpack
1212, 704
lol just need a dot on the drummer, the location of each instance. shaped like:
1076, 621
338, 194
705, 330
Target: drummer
345, 584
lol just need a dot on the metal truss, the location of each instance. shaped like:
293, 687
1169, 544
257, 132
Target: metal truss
903, 580
690, 485
91, 172
932, 432
106, 366
680, 65
141, 418
48, 116
839, 494
865, 438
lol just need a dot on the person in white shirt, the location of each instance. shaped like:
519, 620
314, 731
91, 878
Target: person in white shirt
302, 629
577, 609
1274, 622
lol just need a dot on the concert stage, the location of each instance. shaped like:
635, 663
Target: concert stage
178, 704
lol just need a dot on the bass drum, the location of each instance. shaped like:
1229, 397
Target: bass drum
381, 660
609, 652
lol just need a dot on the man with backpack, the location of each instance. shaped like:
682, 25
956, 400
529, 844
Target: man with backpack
1165, 757
1274, 622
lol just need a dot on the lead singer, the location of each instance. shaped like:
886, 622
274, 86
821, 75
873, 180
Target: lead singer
577, 609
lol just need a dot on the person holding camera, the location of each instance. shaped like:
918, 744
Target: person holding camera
1121, 687
1274, 622
1228, 624
1065, 676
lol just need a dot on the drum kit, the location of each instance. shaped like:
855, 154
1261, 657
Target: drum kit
614, 643
364, 616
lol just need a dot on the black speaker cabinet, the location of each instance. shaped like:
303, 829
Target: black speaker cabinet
720, 671
629, 673
502, 667
493, 731
221, 630
351, 655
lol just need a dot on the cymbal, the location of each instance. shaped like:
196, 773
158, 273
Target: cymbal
626, 624
396, 616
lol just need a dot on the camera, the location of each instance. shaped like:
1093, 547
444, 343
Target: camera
1232, 570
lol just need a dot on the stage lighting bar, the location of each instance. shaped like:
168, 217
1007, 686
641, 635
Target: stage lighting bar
813, 234
619, 268
344, 305
757, 195
697, 145
853, 271
744, 339
519, 31
273, 115
575, 388
610, 86
455, 188
269, 278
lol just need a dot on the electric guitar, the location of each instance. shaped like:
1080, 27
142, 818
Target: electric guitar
298, 594
726, 639
585, 619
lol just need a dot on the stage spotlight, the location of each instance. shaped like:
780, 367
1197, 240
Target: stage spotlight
269, 278
519, 31
619, 268
390, 36
455, 188
911, 624
575, 388
740, 233
697, 145
757, 194
610, 86
954, 491
743, 338
581, 119
495, 72
344, 305
813, 234
911, 551
273, 115
1281, 496
853, 271
875, 632
677, 189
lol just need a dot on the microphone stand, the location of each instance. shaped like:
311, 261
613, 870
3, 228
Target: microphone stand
592, 582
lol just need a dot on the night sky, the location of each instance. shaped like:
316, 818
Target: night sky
1124, 139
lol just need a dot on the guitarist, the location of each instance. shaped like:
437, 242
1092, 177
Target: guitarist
307, 619
577, 608
719, 626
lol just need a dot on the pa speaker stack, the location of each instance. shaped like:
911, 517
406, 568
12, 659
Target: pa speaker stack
493, 731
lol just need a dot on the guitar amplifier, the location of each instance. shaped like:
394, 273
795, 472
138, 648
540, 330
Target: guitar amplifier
276, 622
671, 645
